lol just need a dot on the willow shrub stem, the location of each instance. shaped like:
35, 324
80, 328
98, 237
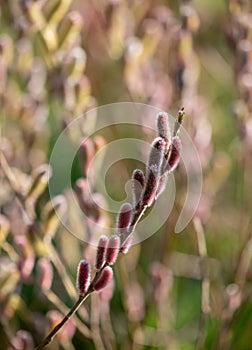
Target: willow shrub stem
82, 298
157, 145
54, 299
55, 330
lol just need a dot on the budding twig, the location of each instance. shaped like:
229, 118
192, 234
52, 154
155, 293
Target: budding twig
55, 330
128, 217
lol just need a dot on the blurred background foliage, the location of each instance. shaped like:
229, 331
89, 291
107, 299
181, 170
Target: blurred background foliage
61, 58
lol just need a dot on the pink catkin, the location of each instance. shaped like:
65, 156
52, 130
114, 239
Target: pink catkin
83, 276
174, 154
137, 187
163, 127
138, 175
45, 274
124, 218
100, 254
104, 278
107, 293
153, 171
112, 249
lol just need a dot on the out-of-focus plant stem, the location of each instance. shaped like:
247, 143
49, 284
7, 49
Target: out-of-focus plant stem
205, 287
54, 299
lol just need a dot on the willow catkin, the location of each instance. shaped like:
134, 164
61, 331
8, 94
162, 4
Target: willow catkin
83, 277
164, 128
153, 171
112, 249
174, 154
137, 187
101, 251
104, 279
124, 218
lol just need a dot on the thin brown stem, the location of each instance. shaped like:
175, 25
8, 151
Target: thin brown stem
81, 299
55, 300
137, 217
55, 330
75, 307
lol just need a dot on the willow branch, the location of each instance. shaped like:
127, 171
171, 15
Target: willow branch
55, 330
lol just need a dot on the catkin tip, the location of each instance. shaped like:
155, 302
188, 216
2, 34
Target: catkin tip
101, 251
83, 277
104, 279
124, 218
112, 249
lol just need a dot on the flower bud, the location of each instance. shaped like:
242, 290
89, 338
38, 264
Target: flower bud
100, 254
174, 154
107, 293
164, 128
112, 249
124, 218
104, 278
83, 277
45, 274
179, 121
41, 177
50, 215
137, 187
138, 175
153, 171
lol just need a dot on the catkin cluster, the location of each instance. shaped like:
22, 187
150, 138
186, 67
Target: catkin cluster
163, 159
